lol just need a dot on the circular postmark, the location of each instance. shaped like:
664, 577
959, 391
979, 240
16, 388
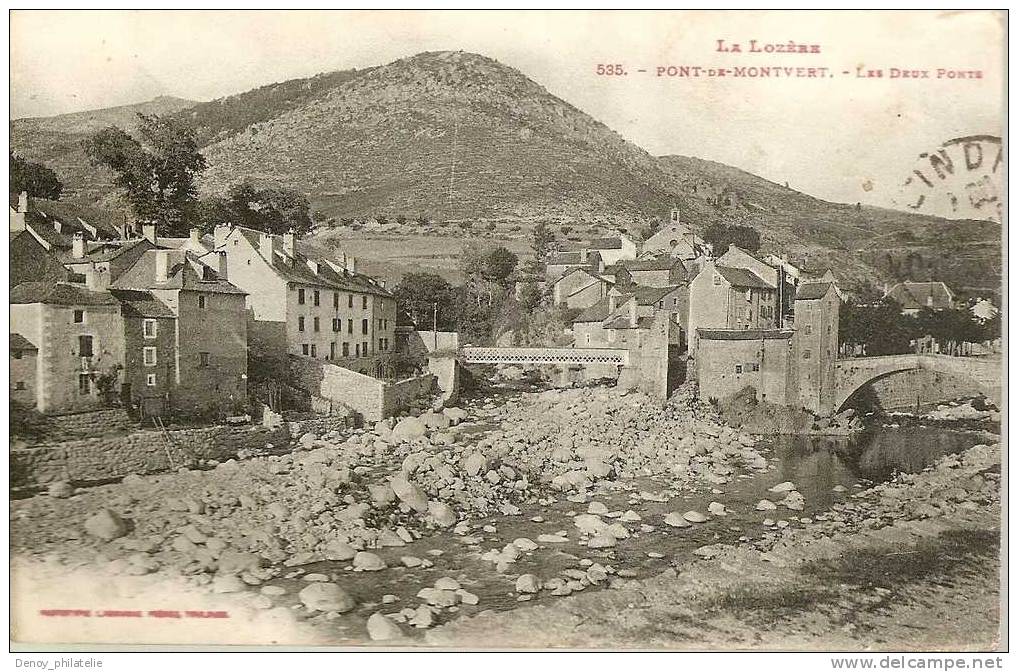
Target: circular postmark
960, 179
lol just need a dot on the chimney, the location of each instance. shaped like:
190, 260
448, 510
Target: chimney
290, 242
221, 268
266, 245
23, 202
148, 232
162, 264
632, 312
57, 226
97, 279
351, 264
196, 238
313, 265
78, 245
220, 233
583, 255
675, 215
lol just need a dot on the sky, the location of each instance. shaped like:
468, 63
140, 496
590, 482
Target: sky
841, 138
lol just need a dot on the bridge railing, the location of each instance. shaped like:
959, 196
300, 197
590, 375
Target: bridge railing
483, 355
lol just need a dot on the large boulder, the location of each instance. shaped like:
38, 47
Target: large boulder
106, 525
441, 514
408, 429
409, 493
381, 628
326, 597
339, 550
434, 420
475, 463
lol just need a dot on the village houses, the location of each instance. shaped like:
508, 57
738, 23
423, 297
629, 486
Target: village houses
917, 296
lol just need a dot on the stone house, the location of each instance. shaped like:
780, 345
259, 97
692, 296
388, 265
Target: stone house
588, 326
304, 303
723, 297
736, 257
54, 223
24, 358
560, 263
79, 336
614, 249
150, 353
728, 360
209, 355
675, 239
579, 288
31, 262
659, 272
917, 296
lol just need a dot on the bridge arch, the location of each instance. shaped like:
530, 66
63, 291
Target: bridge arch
851, 375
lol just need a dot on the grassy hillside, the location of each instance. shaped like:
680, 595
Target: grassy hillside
462, 140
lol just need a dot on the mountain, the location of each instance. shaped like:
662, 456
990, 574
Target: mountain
459, 137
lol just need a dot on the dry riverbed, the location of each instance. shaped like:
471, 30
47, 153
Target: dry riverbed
530, 519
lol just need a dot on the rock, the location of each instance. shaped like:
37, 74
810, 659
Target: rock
601, 540
524, 544
326, 597
455, 415
381, 628
794, 501
277, 510
409, 493
411, 561
311, 578
493, 477
238, 562
227, 584
307, 440
783, 487
766, 505
382, 494
368, 562
597, 508
60, 490
466, 597
273, 591
338, 549
676, 519
630, 516
423, 618
475, 464
389, 539
434, 420
408, 429
447, 583
441, 514
528, 583
106, 525
588, 523
717, 509
694, 517
552, 539
840, 488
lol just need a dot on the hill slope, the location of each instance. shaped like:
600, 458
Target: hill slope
460, 137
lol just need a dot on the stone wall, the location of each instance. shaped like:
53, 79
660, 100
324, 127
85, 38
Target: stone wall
143, 452
404, 394
80, 425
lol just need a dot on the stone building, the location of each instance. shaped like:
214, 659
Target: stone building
917, 296
815, 346
728, 360
579, 288
209, 356
303, 303
676, 239
24, 358
614, 249
722, 297
660, 272
79, 336
560, 263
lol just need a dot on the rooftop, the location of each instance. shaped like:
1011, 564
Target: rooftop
914, 295
140, 304
59, 294
595, 313
184, 272
742, 277
19, 343
812, 290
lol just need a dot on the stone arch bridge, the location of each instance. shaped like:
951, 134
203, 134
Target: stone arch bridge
852, 374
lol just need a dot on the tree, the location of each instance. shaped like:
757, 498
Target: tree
34, 178
498, 264
272, 210
721, 236
419, 294
157, 172
542, 242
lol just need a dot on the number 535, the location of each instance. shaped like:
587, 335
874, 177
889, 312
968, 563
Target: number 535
610, 69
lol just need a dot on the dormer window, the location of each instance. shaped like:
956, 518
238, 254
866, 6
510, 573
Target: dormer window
717, 278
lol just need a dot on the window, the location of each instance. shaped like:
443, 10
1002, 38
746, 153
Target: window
84, 346
364, 348
79, 316
349, 326
20, 385
337, 324
738, 368
148, 328
346, 349
806, 354
317, 298
381, 345
150, 380
148, 355
314, 350
300, 296
357, 350
349, 300
203, 359
317, 326
364, 326
364, 302
304, 349
300, 323
84, 383
201, 302
335, 300
752, 367
717, 278
749, 294
809, 329
332, 350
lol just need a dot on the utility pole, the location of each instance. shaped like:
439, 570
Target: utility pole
434, 324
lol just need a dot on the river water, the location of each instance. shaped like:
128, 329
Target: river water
824, 471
